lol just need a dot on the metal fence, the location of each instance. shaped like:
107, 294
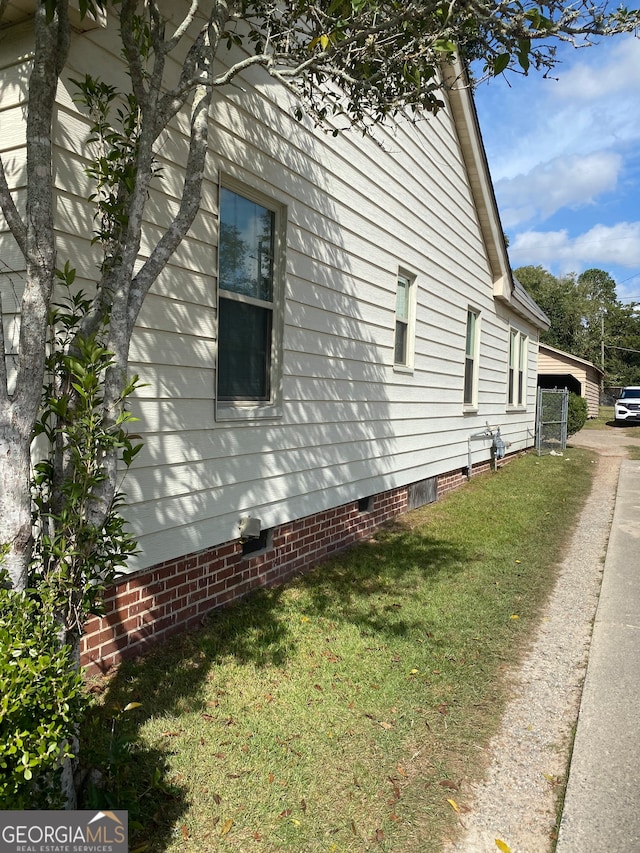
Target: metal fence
551, 420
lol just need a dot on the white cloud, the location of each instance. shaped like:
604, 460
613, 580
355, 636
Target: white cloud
601, 71
593, 105
601, 246
571, 181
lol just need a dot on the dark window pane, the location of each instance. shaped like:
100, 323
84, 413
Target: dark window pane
520, 387
246, 246
400, 355
244, 351
468, 381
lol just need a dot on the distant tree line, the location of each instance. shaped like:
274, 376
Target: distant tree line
586, 314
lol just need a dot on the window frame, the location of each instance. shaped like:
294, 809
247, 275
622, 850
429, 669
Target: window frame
408, 322
271, 407
517, 368
471, 359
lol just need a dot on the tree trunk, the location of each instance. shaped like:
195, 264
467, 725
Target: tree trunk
15, 497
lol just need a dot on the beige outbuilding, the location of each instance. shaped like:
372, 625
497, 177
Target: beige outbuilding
559, 369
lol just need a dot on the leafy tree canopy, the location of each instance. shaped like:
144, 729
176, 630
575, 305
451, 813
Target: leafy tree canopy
366, 59
586, 314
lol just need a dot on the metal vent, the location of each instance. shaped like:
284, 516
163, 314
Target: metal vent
422, 492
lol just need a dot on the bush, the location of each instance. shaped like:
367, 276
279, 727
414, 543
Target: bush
42, 699
577, 414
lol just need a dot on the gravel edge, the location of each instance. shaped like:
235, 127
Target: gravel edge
528, 759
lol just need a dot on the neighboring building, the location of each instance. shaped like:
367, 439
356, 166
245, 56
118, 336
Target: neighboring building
320, 351
558, 369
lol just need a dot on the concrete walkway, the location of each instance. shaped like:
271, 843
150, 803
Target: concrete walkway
602, 804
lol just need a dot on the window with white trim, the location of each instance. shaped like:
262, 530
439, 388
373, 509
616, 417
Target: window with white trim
471, 358
249, 291
517, 373
404, 337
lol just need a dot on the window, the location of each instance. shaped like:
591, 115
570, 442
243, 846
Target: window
248, 285
471, 358
516, 380
403, 346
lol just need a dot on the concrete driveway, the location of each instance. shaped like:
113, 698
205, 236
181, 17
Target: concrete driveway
610, 441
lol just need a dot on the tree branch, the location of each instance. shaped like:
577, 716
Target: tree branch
14, 220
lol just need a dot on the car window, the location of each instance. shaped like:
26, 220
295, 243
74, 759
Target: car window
629, 392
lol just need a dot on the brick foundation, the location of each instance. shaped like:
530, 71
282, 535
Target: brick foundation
173, 596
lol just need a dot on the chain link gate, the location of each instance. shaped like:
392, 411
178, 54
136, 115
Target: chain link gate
551, 420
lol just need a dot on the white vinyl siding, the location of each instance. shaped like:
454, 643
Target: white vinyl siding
342, 421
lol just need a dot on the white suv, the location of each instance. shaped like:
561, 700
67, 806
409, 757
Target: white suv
627, 406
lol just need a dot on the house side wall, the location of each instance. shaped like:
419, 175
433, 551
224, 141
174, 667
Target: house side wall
350, 425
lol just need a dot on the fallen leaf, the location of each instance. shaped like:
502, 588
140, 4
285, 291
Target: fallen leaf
285, 813
132, 705
303, 805
379, 835
217, 799
454, 805
443, 709
514, 616
318, 687
271, 778
413, 671
353, 827
452, 786
185, 831
401, 770
220, 755
226, 827
393, 816
386, 725
170, 734
502, 846
256, 836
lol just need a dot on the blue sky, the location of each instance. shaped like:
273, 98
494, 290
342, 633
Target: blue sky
564, 155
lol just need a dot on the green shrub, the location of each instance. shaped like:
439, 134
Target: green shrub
577, 414
41, 702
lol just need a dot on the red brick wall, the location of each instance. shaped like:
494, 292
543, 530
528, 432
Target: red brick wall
153, 604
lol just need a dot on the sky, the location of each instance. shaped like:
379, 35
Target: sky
564, 155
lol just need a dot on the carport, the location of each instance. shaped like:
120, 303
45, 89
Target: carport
559, 369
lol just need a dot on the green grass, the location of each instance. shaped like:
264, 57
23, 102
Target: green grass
605, 418
343, 711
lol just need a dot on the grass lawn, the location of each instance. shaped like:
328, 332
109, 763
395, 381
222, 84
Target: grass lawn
342, 711
605, 418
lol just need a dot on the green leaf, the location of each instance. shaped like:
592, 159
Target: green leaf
500, 63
